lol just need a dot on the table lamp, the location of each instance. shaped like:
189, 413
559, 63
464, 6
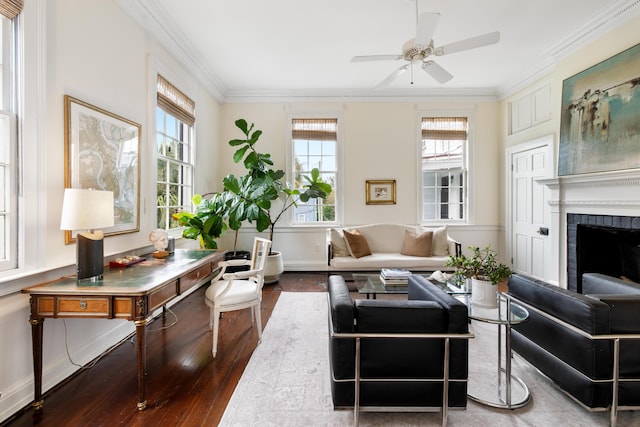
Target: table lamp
84, 209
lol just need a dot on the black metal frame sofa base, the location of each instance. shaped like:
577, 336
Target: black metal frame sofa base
588, 344
398, 355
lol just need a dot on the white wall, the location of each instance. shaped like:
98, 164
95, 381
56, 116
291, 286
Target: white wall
380, 142
93, 51
608, 194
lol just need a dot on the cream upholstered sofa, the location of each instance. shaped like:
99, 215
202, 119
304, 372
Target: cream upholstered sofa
390, 246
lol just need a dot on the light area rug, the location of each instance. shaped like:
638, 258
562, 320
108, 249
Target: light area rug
287, 381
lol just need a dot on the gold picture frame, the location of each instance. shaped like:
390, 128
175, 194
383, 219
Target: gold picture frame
381, 191
102, 151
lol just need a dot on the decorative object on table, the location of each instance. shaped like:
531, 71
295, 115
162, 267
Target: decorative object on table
102, 151
599, 118
160, 240
126, 261
484, 270
88, 210
381, 192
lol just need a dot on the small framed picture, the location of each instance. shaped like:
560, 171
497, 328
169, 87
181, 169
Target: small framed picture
381, 192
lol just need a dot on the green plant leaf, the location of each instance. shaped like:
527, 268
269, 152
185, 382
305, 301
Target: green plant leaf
239, 154
242, 125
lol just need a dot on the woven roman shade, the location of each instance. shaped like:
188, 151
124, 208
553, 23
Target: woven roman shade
444, 128
10, 8
176, 103
314, 129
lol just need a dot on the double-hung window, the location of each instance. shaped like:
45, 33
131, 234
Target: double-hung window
315, 145
444, 147
9, 142
175, 117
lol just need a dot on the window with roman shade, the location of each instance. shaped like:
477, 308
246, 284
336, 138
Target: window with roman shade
315, 145
175, 118
444, 142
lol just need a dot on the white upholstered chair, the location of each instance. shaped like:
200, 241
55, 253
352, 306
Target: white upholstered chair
239, 290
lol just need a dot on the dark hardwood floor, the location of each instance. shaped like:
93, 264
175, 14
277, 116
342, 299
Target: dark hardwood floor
186, 386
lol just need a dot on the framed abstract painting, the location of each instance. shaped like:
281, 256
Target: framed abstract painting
600, 118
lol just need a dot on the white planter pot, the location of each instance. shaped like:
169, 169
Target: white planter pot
273, 267
483, 294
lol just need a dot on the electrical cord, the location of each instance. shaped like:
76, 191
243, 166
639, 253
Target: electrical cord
110, 349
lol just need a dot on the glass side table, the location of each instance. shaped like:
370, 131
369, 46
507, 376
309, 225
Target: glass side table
507, 314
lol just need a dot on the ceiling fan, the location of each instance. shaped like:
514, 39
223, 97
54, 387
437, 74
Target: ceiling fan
419, 49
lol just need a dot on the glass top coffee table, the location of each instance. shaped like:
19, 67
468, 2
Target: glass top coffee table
371, 284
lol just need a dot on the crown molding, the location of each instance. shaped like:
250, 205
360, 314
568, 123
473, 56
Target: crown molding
158, 23
612, 16
342, 95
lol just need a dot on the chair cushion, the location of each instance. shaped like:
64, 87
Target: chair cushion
242, 291
417, 245
357, 243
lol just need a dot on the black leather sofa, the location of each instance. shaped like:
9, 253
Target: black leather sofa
566, 337
388, 363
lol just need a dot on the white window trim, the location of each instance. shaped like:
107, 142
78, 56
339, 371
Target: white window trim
338, 115
188, 88
468, 159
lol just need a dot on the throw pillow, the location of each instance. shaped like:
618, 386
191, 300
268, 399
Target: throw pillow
357, 243
440, 245
338, 243
417, 245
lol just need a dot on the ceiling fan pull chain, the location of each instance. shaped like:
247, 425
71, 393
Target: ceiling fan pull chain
411, 72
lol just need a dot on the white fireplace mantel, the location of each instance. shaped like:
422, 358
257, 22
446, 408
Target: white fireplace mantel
606, 193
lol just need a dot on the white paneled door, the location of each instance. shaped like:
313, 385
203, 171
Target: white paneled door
530, 240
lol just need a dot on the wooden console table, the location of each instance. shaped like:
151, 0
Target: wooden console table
131, 293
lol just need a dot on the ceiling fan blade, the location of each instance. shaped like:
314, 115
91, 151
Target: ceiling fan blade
471, 43
397, 73
425, 27
438, 73
367, 58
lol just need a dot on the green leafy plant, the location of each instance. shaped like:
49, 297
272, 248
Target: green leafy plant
483, 264
207, 223
261, 196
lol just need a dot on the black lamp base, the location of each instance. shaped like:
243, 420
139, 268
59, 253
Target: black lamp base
90, 255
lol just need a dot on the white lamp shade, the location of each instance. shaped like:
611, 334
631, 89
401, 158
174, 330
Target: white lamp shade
84, 209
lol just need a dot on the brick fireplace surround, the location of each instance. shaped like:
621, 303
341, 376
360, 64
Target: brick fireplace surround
610, 199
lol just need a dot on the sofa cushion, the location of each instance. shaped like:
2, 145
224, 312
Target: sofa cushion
357, 243
417, 245
338, 244
378, 260
440, 245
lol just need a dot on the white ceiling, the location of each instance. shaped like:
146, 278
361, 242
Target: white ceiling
286, 48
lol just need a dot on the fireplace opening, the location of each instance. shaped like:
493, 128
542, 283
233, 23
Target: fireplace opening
602, 244
608, 250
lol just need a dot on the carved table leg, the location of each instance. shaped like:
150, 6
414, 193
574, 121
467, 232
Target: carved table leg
36, 346
142, 361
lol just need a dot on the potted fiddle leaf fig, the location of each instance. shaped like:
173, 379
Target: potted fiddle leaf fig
262, 197
485, 271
